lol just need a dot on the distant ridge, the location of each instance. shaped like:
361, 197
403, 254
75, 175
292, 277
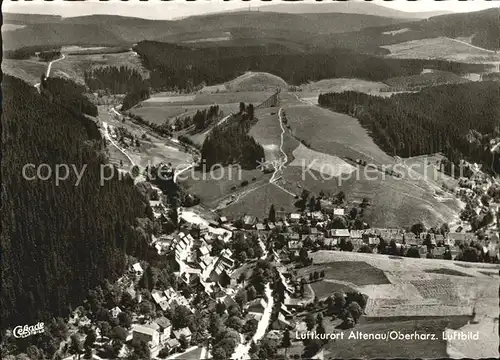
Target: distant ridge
348, 7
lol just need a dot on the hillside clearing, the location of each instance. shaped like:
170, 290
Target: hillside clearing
328, 166
358, 273
439, 48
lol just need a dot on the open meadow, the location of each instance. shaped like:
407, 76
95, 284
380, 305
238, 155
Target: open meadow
439, 48
267, 132
28, 70
333, 137
73, 66
153, 148
220, 182
309, 92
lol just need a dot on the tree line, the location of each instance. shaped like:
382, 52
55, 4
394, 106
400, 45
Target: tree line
230, 143
458, 120
114, 79
201, 120
28, 52
68, 94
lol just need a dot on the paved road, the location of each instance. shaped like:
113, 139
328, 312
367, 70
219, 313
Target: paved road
108, 137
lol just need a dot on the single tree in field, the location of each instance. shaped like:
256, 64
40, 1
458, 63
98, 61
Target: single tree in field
339, 302
286, 342
355, 311
242, 107
310, 321
272, 214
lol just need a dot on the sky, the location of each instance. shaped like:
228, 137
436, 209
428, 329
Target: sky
157, 9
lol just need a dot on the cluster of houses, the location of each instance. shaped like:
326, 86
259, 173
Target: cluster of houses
191, 246
158, 334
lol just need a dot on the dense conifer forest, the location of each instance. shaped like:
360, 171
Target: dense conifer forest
58, 241
230, 143
115, 80
68, 94
458, 120
178, 67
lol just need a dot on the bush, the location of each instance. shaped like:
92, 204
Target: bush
244, 183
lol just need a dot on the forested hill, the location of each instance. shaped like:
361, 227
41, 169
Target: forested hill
483, 27
458, 120
174, 66
58, 241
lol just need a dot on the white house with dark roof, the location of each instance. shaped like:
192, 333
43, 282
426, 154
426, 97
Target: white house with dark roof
339, 233
115, 312
137, 268
256, 306
147, 334
338, 212
164, 328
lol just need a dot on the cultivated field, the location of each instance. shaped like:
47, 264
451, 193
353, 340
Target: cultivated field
323, 289
403, 349
425, 79
423, 295
259, 202
28, 70
328, 165
357, 273
439, 48
159, 113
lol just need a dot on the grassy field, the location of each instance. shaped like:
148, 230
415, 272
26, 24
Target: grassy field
259, 202
356, 272
310, 91
438, 48
395, 202
27, 70
323, 289
218, 183
159, 113
328, 165
446, 272
255, 97
73, 66
250, 81
267, 132
331, 133
426, 79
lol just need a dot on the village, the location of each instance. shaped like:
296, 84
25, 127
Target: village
229, 288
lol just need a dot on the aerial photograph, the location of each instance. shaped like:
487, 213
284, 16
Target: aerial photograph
250, 180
